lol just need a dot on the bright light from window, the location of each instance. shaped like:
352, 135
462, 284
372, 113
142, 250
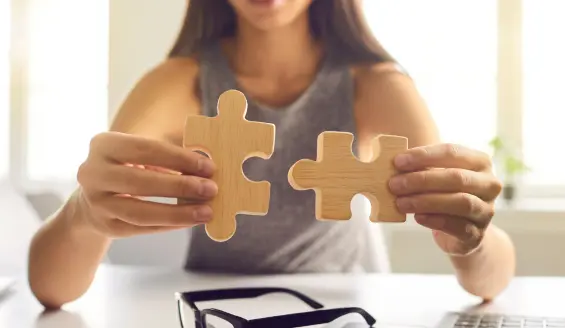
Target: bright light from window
544, 87
68, 84
4, 85
450, 49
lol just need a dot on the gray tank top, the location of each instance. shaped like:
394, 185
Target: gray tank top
289, 238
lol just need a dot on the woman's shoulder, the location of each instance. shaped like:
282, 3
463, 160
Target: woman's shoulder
160, 100
379, 80
172, 71
371, 73
388, 101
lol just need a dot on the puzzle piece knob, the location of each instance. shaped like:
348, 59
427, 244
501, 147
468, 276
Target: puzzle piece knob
221, 230
232, 103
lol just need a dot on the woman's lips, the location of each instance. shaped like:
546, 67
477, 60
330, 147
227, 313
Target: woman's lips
266, 3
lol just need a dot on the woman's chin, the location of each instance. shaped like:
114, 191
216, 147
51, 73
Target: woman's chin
270, 14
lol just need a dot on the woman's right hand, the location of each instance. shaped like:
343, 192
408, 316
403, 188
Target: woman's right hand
122, 167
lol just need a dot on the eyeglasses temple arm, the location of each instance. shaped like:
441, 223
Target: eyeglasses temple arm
235, 293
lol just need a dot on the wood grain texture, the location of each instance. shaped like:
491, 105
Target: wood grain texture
337, 175
229, 139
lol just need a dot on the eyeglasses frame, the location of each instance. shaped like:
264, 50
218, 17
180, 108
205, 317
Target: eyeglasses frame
299, 319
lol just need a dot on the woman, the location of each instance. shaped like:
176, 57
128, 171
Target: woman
306, 66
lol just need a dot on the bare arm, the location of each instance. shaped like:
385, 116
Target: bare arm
388, 102
66, 251
487, 271
64, 255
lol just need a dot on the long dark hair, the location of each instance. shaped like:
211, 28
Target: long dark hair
338, 23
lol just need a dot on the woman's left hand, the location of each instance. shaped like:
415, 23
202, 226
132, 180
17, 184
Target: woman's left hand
451, 190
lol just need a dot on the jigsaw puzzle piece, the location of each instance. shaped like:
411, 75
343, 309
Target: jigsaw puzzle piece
337, 176
304, 174
335, 146
261, 143
333, 204
194, 137
229, 139
257, 198
383, 202
221, 228
385, 148
232, 105
383, 207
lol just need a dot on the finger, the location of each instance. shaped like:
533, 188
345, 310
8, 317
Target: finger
153, 168
146, 213
125, 148
116, 228
160, 169
442, 156
484, 186
455, 204
460, 228
122, 179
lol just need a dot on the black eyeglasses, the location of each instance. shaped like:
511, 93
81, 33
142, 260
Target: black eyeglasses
214, 318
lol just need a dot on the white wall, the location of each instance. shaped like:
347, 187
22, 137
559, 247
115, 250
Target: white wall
18, 223
141, 33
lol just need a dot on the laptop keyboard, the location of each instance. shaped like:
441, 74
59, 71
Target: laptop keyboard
506, 321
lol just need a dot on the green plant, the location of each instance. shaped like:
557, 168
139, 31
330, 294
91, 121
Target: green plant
511, 164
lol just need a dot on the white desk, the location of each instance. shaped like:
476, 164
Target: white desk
124, 297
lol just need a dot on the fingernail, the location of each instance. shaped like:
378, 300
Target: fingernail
397, 184
203, 214
405, 204
205, 166
402, 160
208, 188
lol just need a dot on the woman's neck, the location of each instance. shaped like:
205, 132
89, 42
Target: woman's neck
282, 52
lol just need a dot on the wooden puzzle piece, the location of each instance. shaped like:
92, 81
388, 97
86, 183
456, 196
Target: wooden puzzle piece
337, 175
229, 139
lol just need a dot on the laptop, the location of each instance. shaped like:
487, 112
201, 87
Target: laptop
477, 320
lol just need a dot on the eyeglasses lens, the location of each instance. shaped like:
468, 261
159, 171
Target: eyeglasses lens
216, 322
